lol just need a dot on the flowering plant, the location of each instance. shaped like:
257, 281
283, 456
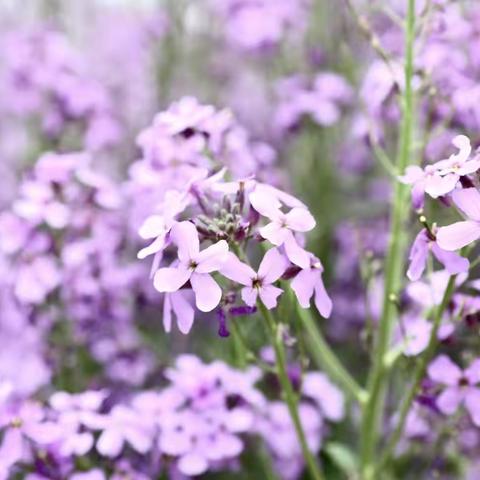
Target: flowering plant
238, 239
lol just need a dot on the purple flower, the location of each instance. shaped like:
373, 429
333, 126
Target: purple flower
157, 226
37, 279
329, 398
74, 413
422, 244
457, 165
460, 234
309, 282
179, 304
460, 386
24, 422
123, 425
283, 225
427, 180
193, 265
258, 284
442, 177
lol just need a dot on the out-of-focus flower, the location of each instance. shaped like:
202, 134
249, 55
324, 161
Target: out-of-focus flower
460, 386
422, 245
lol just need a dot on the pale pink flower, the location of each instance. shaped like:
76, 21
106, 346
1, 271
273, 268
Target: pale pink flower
258, 284
193, 265
283, 226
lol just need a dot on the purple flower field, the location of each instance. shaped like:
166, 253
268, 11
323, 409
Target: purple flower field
239, 239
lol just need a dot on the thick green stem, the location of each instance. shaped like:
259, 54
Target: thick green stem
418, 375
326, 359
377, 383
290, 396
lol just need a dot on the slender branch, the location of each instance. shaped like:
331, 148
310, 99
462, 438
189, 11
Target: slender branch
377, 383
326, 358
418, 375
290, 396
366, 29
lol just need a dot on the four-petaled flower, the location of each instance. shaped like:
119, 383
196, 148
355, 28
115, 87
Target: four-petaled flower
258, 284
193, 265
461, 386
424, 243
280, 231
442, 177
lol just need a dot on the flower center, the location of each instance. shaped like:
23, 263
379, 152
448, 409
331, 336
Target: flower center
193, 264
16, 422
256, 283
463, 382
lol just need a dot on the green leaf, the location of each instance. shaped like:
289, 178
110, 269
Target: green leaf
342, 457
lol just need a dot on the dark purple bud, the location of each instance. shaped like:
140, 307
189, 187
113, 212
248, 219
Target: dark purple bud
295, 376
242, 311
222, 324
466, 182
427, 401
472, 320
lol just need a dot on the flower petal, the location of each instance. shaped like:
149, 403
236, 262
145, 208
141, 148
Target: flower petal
249, 296
468, 201
295, 253
303, 285
323, 302
207, 292
418, 256
452, 261
444, 371
212, 258
192, 464
300, 220
458, 235
265, 204
152, 227
185, 236
170, 279
274, 232
269, 295
110, 443
436, 186
183, 310
237, 271
272, 266
472, 404
449, 400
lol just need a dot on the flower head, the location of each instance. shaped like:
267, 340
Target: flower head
193, 265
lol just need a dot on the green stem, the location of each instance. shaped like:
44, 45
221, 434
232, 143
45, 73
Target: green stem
290, 396
418, 375
326, 359
377, 383
239, 346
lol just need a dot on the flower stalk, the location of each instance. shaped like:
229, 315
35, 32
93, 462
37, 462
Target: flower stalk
326, 359
290, 395
378, 379
418, 375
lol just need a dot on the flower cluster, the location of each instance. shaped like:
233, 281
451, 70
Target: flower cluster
200, 421
261, 25
45, 80
232, 213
